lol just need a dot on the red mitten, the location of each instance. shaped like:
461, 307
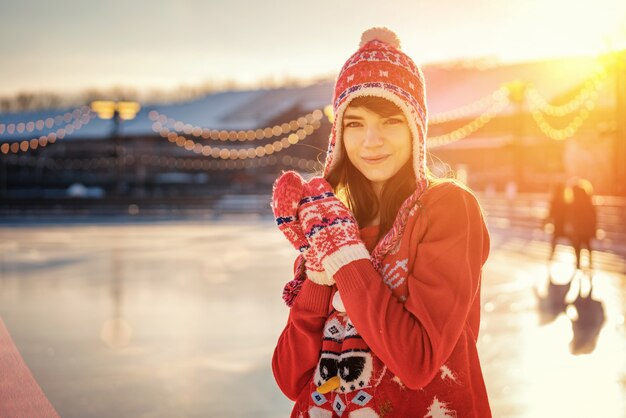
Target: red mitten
329, 227
286, 196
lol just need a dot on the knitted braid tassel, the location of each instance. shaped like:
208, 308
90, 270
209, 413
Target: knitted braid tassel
391, 238
292, 288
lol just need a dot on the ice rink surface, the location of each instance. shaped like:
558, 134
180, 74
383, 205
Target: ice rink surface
179, 319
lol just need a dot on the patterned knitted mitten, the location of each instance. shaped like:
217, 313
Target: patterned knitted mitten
286, 196
330, 228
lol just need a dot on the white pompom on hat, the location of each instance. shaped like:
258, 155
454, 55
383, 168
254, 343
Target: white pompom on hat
380, 34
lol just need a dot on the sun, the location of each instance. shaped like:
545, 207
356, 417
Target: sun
564, 27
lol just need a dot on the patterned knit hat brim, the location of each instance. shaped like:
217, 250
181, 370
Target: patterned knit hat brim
418, 131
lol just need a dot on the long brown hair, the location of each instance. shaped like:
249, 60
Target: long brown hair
356, 190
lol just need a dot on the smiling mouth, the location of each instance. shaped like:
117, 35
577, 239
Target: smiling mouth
375, 160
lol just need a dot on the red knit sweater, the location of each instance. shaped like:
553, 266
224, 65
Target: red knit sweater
406, 344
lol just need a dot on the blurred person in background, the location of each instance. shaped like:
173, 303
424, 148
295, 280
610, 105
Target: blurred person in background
583, 220
385, 303
557, 216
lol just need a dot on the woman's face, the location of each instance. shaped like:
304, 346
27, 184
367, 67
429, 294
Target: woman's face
378, 146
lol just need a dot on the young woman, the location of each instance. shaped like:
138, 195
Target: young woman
385, 306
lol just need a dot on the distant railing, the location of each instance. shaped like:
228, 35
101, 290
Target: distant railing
211, 206
525, 212
530, 211
258, 204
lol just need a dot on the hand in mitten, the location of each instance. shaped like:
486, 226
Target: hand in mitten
286, 196
329, 227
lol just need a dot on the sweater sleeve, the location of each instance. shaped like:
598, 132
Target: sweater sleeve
298, 349
414, 339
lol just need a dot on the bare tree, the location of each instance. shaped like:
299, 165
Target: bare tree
25, 100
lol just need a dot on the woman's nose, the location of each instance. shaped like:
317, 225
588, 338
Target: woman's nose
373, 137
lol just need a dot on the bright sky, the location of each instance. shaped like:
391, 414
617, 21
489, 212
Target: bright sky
70, 45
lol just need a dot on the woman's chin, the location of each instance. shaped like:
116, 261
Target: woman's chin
378, 177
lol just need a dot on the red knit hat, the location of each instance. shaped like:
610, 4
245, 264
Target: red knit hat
378, 68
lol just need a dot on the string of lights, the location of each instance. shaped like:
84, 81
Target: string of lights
302, 163
501, 101
25, 160
236, 153
574, 124
204, 164
162, 121
40, 124
587, 93
469, 109
42, 141
88, 164
294, 131
67, 163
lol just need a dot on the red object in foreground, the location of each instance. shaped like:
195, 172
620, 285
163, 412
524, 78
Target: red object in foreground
20, 395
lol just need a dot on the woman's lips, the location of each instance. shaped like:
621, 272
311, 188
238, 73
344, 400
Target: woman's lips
377, 159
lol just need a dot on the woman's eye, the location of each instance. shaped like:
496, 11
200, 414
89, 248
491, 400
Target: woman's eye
352, 125
394, 121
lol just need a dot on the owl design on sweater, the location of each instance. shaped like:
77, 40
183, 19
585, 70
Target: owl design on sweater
344, 355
